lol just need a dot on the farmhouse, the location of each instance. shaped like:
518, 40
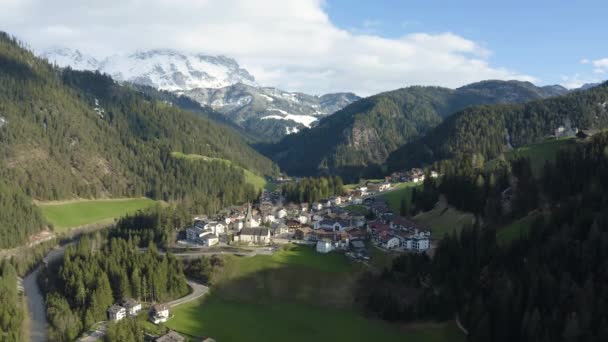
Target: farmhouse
131, 306
116, 313
259, 236
160, 313
390, 242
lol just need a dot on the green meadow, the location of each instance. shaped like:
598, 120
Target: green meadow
294, 295
71, 214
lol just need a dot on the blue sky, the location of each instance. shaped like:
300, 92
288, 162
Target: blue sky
321, 46
545, 39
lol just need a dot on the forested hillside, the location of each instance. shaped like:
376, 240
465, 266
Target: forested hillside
548, 284
490, 130
362, 135
67, 134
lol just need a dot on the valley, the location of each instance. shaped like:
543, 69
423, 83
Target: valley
307, 176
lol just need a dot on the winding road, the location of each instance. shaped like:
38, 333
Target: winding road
36, 304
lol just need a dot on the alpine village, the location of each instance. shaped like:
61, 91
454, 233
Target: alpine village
151, 192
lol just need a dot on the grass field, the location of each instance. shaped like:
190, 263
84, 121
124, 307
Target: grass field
541, 152
257, 181
393, 198
71, 214
293, 295
277, 321
516, 229
443, 220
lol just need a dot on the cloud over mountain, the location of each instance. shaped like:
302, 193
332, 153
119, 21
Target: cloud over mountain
289, 44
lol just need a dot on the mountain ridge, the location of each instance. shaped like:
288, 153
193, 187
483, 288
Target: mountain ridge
356, 141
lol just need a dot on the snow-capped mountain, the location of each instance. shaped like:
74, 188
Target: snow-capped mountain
161, 68
270, 112
215, 81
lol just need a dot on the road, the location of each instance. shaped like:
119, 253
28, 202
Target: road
198, 290
35, 300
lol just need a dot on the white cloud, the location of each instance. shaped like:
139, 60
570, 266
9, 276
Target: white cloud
289, 44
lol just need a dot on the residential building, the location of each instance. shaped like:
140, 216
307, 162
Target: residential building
390, 242
131, 306
324, 246
258, 236
160, 313
282, 213
216, 227
116, 313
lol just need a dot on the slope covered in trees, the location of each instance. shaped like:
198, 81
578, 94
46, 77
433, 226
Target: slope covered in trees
95, 274
67, 134
313, 189
363, 134
548, 285
490, 130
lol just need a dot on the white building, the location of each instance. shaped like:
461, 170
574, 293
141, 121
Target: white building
269, 218
336, 200
324, 246
209, 239
160, 313
391, 242
258, 236
131, 306
317, 206
281, 213
216, 227
116, 313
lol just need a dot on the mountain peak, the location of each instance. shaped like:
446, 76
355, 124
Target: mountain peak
165, 69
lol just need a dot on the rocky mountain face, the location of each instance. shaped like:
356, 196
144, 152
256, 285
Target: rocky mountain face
161, 68
270, 112
215, 81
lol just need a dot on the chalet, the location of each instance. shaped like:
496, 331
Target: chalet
281, 213
303, 219
378, 187
304, 207
258, 236
336, 200
215, 227
317, 206
293, 224
390, 241
171, 336
116, 313
324, 246
326, 204
268, 218
362, 190
302, 233
280, 228
131, 306
160, 313
416, 243
209, 239
331, 225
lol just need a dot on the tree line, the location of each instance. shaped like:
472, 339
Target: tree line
546, 285
96, 273
313, 189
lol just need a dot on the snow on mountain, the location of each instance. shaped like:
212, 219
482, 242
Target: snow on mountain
75, 59
270, 112
161, 68
215, 81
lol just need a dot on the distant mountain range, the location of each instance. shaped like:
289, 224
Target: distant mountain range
270, 112
215, 81
490, 130
357, 140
